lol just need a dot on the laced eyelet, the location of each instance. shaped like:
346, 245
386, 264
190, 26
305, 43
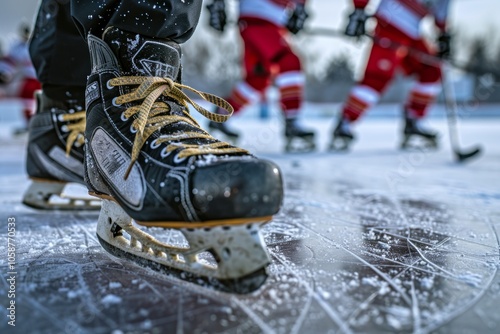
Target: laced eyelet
123, 117
177, 159
164, 153
114, 103
60, 117
64, 128
132, 129
108, 85
154, 144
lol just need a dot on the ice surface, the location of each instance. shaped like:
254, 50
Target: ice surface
376, 240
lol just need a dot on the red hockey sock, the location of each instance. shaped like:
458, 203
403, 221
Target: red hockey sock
421, 96
361, 98
242, 95
291, 87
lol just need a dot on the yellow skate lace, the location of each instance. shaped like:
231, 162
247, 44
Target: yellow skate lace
76, 129
152, 116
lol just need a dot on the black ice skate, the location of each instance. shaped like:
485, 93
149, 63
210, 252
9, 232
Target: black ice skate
229, 134
342, 136
55, 155
152, 165
416, 136
297, 138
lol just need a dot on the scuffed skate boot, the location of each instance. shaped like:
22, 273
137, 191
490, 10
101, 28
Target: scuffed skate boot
297, 138
417, 136
230, 135
342, 136
55, 156
153, 166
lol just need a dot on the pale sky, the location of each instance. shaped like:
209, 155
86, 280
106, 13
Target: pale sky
471, 16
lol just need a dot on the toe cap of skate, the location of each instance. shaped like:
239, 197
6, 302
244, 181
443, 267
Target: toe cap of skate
240, 189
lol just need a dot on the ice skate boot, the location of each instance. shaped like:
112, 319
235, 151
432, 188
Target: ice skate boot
55, 156
153, 166
416, 136
229, 134
342, 136
297, 138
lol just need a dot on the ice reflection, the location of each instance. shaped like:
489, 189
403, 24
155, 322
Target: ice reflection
383, 265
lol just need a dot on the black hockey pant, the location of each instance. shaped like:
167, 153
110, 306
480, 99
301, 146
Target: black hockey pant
59, 52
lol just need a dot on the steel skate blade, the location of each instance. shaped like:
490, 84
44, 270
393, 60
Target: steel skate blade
243, 285
50, 195
339, 145
238, 254
300, 145
414, 143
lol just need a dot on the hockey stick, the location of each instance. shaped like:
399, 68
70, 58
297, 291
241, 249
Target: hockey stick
452, 117
325, 32
424, 57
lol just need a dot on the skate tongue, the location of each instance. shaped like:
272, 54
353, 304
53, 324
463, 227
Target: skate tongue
143, 56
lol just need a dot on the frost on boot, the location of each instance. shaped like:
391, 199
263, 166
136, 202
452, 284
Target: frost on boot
153, 166
55, 156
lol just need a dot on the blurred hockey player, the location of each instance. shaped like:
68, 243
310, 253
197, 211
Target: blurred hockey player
264, 26
398, 44
17, 75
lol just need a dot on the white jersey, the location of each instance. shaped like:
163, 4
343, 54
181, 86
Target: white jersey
275, 11
406, 15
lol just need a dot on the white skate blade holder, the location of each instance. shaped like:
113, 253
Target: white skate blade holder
239, 249
340, 144
54, 195
300, 144
415, 142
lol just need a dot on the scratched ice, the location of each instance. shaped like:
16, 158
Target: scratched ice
374, 241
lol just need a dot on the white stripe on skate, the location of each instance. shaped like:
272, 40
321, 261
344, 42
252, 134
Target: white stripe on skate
113, 161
